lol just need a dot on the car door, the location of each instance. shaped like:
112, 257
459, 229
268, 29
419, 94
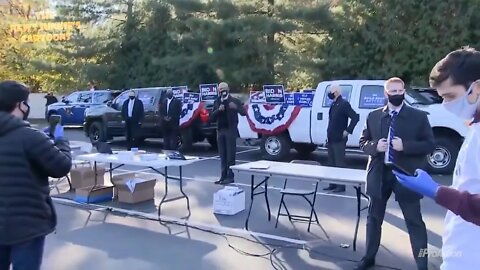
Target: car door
66, 110
78, 109
319, 116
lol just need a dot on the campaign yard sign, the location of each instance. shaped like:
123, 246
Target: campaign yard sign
257, 97
371, 98
303, 99
308, 91
189, 98
274, 94
290, 99
178, 91
208, 91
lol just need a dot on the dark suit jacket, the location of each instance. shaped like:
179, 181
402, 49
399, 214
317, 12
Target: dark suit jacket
232, 115
174, 112
338, 115
413, 127
138, 112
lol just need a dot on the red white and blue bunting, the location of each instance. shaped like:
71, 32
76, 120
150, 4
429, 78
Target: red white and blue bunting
190, 112
271, 119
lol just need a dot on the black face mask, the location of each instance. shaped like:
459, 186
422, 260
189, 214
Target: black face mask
25, 113
132, 98
169, 95
224, 94
396, 100
331, 95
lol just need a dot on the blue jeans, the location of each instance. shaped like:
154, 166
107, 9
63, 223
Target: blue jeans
23, 256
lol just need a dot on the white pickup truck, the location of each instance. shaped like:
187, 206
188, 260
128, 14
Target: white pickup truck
308, 130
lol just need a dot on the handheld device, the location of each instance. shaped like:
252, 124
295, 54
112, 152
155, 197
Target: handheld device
400, 169
53, 121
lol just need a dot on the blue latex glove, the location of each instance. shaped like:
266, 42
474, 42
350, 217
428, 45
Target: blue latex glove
58, 133
421, 183
46, 130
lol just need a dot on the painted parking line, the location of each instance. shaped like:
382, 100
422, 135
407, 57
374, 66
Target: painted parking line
216, 228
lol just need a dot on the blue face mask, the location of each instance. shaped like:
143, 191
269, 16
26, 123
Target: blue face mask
461, 107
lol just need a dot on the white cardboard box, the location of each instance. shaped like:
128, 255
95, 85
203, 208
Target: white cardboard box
229, 201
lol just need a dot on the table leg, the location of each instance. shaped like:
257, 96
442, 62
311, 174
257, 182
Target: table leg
358, 193
181, 188
254, 187
166, 193
95, 177
164, 199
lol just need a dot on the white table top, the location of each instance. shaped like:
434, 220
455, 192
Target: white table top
302, 171
161, 162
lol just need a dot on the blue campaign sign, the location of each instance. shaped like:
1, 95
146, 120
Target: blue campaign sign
371, 98
304, 99
178, 91
274, 94
257, 97
290, 99
191, 97
208, 91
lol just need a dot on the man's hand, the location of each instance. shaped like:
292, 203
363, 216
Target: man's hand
221, 107
382, 145
397, 144
232, 106
345, 134
58, 133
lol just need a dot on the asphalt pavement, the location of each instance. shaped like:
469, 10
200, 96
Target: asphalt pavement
90, 237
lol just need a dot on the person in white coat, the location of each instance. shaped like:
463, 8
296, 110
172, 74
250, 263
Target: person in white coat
457, 80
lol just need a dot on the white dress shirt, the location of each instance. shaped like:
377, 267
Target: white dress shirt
168, 104
130, 107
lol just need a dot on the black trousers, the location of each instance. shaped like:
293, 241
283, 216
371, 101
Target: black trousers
131, 132
336, 156
412, 216
170, 138
227, 150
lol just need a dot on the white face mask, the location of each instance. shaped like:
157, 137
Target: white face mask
461, 107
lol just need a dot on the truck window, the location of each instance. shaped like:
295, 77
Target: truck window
371, 97
148, 99
101, 97
85, 97
346, 94
72, 98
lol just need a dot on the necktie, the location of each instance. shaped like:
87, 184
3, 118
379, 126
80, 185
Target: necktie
391, 135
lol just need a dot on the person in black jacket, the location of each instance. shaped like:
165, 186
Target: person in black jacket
338, 131
28, 158
50, 100
132, 113
225, 111
400, 134
170, 110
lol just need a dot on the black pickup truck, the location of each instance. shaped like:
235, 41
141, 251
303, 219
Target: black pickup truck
103, 123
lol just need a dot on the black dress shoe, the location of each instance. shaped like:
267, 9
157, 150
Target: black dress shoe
365, 264
339, 190
227, 181
219, 181
330, 187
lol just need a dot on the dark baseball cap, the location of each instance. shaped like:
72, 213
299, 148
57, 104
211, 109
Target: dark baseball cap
12, 92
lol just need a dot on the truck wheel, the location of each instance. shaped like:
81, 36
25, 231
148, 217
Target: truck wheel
443, 158
304, 148
276, 147
186, 140
96, 132
212, 140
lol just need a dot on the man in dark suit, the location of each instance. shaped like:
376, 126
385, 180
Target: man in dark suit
132, 113
225, 111
402, 135
338, 130
170, 110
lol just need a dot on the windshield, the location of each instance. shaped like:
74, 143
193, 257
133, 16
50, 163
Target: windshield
422, 96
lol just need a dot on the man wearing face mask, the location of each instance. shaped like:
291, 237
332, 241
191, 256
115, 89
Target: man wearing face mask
28, 157
457, 80
338, 131
402, 135
132, 113
225, 111
170, 110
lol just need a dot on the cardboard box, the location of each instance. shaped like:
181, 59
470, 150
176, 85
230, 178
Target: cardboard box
98, 194
82, 177
131, 188
229, 201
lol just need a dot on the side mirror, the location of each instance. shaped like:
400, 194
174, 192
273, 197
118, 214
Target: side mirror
109, 103
66, 101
